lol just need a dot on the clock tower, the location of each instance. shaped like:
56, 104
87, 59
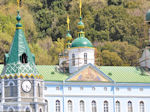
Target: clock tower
21, 84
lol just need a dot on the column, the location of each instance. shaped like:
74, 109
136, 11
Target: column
3, 93
35, 90
19, 94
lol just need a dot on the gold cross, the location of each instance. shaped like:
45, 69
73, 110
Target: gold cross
18, 2
80, 6
68, 21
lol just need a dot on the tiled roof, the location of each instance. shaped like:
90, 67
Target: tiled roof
117, 73
126, 74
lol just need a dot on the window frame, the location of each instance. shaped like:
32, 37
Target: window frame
85, 58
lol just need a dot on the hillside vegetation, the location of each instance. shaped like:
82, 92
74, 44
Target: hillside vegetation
115, 27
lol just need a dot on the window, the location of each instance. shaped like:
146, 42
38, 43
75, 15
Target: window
93, 88
69, 106
81, 88
105, 106
69, 88
82, 106
40, 110
73, 59
130, 106
129, 89
11, 86
57, 106
24, 58
57, 88
142, 106
27, 109
38, 90
117, 106
117, 89
85, 58
94, 106
105, 88
141, 89
11, 110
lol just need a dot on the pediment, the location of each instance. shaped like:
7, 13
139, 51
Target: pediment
89, 73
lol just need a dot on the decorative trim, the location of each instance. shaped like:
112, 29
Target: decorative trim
18, 28
21, 75
81, 47
101, 96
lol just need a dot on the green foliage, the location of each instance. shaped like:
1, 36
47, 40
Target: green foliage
125, 53
115, 2
116, 32
111, 58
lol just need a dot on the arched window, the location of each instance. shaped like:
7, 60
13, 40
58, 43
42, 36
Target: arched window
27, 109
73, 59
106, 106
40, 110
117, 106
94, 106
24, 58
11, 90
46, 105
85, 58
82, 106
11, 110
57, 106
38, 90
130, 106
142, 106
69, 106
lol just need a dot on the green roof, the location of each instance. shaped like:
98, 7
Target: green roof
122, 74
81, 42
13, 60
126, 74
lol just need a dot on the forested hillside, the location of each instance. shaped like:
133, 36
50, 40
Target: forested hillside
115, 27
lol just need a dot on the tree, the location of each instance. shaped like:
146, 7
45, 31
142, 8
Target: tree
111, 58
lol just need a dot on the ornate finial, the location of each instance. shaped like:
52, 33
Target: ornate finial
68, 22
80, 6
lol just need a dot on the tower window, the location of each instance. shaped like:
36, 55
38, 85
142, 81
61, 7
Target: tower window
73, 59
85, 58
38, 90
11, 110
27, 110
24, 58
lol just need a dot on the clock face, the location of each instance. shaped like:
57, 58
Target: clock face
26, 86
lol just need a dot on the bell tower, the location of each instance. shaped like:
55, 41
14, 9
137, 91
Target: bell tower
21, 84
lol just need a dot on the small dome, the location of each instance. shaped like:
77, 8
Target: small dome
68, 37
148, 15
81, 42
80, 25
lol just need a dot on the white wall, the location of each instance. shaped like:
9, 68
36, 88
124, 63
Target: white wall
123, 95
79, 58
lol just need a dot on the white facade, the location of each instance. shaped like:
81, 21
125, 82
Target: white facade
80, 58
98, 92
145, 59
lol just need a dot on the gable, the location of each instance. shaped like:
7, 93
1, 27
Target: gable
89, 73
